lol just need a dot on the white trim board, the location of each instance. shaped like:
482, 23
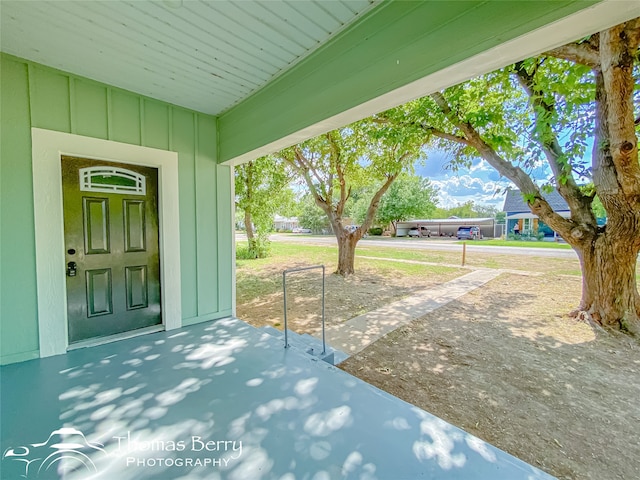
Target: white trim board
47, 147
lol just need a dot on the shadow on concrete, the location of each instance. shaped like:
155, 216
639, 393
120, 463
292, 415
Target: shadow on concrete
222, 400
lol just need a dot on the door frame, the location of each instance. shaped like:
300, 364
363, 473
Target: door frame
47, 148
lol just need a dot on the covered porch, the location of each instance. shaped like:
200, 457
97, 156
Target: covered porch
209, 85
223, 400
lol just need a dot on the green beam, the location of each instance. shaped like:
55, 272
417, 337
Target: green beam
393, 45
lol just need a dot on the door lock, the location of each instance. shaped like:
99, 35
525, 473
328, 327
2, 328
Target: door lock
72, 269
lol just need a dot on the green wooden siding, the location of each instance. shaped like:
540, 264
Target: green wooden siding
156, 124
18, 311
89, 109
34, 95
205, 196
124, 117
225, 242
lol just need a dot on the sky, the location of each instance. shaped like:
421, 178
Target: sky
480, 183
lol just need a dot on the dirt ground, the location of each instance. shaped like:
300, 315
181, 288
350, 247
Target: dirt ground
506, 365
369, 289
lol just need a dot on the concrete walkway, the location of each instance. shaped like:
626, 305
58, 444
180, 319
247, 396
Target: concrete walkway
356, 334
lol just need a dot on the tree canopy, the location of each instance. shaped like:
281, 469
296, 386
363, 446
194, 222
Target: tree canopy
468, 209
262, 189
410, 196
311, 216
334, 165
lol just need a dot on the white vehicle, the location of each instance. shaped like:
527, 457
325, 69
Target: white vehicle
419, 232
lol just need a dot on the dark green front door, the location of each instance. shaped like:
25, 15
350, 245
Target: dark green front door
111, 241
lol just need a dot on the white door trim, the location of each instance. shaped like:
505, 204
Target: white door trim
47, 147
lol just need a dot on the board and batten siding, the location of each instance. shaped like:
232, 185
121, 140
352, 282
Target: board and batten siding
33, 95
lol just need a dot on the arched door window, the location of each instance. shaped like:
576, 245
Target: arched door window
112, 180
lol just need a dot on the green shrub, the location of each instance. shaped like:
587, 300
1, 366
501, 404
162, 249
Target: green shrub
242, 253
259, 248
375, 231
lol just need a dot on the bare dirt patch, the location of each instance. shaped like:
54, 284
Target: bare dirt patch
375, 285
505, 364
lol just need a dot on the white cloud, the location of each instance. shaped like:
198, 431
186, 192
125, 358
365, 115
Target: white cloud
459, 189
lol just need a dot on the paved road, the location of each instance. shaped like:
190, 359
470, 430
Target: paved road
426, 244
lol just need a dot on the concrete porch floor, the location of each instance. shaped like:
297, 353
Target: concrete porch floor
223, 400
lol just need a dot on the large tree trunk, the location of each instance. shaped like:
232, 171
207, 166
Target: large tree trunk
609, 291
248, 225
608, 258
347, 242
346, 254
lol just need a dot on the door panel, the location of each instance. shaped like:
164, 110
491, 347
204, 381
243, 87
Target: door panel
99, 293
96, 225
134, 226
137, 289
111, 235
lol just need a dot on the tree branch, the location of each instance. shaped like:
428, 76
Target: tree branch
444, 107
426, 128
579, 204
336, 158
449, 136
519, 177
584, 53
308, 167
375, 202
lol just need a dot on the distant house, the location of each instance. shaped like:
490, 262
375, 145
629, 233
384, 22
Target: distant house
285, 223
518, 212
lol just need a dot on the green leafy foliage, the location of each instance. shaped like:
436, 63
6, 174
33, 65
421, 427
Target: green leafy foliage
311, 216
410, 196
468, 209
540, 115
261, 188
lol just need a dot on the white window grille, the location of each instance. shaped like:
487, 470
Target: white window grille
112, 180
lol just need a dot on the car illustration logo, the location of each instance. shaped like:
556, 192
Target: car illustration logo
66, 451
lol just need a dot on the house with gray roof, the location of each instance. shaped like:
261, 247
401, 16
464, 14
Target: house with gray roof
518, 213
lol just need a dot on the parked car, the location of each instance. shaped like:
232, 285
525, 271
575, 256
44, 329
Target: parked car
301, 230
469, 233
419, 232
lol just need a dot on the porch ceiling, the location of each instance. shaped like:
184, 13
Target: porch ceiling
203, 55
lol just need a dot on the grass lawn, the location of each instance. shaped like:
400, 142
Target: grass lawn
522, 243
565, 266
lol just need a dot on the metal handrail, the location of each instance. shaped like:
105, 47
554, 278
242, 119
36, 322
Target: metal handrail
284, 288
